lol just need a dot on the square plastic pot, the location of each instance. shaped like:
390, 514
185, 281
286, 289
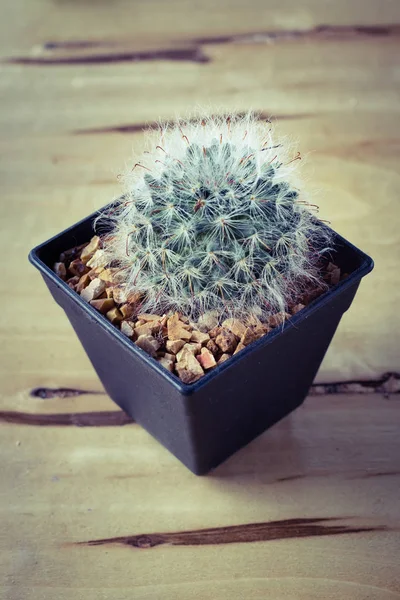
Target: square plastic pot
204, 423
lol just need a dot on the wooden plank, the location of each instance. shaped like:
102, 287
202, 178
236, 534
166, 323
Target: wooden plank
92, 506
107, 511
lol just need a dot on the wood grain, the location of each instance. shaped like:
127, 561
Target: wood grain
91, 506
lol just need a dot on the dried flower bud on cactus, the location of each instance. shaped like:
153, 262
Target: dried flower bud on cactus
211, 220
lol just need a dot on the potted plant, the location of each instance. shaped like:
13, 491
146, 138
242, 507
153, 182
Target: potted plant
211, 291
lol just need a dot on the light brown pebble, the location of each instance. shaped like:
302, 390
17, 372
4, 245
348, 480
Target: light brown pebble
93, 290
239, 347
297, 308
77, 267
166, 363
170, 356
176, 330
278, 319
174, 345
109, 292
148, 343
97, 260
108, 275
148, 317
223, 358
94, 273
90, 249
188, 368
212, 346
127, 328
114, 315
206, 359
127, 310
134, 297
199, 337
234, 325
192, 348
226, 340
248, 336
103, 305
119, 294
259, 328
145, 329
60, 270
83, 282
214, 332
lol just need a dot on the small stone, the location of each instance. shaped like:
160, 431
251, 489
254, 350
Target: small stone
278, 319
226, 340
73, 281
77, 267
235, 326
258, 328
108, 275
114, 315
199, 337
146, 329
103, 305
208, 320
94, 273
176, 330
148, 317
98, 260
83, 282
174, 346
239, 347
166, 363
127, 310
90, 249
134, 297
127, 329
170, 356
223, 358
188, 368
335, 276
148, 343
93, 290
248, 336
214, 332
192, 348
60, 270
297, 308
206, 359
109, 292
119, 294
212, 347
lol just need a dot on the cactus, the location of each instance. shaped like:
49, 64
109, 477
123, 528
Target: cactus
211, 220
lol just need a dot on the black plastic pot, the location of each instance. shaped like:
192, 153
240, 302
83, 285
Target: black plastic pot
205, 422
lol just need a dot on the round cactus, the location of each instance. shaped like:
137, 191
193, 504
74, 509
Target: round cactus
211, 220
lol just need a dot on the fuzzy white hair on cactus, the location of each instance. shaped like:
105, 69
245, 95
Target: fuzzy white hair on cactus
212, 219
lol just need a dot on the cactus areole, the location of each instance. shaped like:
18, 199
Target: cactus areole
212, 218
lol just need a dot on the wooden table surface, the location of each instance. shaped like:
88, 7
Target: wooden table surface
91, 506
